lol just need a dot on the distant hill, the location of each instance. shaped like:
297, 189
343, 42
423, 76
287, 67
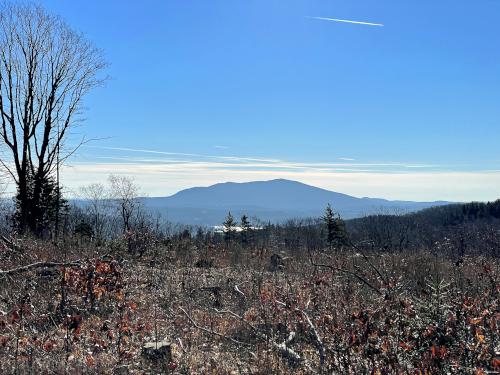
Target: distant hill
456, 214
275, 200
454, 229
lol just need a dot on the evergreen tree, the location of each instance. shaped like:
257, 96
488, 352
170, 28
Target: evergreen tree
44, 215
245, 229
335, 228
229, 227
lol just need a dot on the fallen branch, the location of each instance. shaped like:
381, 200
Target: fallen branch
282, 348
316, 337
36, 265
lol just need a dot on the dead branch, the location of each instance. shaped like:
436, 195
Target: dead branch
281, 348
237, 290
343, 270
317, 338
9, 243
36, 265
211, 331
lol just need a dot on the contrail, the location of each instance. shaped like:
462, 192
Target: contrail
347, 21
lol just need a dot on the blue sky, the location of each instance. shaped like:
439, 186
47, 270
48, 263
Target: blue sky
200, 87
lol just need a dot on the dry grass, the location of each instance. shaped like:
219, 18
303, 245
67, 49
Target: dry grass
390, 314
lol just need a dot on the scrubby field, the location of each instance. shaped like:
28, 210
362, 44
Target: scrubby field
224, 310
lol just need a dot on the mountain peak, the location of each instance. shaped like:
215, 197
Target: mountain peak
274, 200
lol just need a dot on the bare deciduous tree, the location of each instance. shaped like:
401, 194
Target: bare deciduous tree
97, 197
125, 194
46, 69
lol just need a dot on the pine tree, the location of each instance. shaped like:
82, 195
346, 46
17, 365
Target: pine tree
43, 215
335, 228
228, 227
329, 219
245, 229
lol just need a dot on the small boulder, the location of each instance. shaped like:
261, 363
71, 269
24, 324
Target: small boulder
159, 352
204, 263
276, 263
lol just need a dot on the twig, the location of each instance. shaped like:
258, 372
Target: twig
365, 257
212, 332
360, 278
237, 290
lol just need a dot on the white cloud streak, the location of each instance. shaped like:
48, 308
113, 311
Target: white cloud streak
245, 163
145, 151
162, 180
347, 159
162, 173
346, 21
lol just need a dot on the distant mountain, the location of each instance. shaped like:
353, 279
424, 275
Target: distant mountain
275, 200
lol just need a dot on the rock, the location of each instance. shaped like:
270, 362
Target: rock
159, 352
276, 263
204, 263
121, 370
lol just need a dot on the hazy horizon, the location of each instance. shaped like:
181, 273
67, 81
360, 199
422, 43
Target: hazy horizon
155, 189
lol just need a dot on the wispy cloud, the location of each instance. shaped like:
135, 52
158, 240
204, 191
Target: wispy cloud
346, 159
188, 155
161, 180
219, 147
164, 172
122, 154
346, 21
143, 151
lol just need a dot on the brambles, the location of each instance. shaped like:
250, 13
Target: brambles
381, 314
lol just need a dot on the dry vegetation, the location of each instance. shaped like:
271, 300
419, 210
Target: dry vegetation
237, 312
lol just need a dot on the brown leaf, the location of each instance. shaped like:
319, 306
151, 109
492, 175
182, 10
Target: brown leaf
48, 345
14, 317
3, 341
495, 363
89, 360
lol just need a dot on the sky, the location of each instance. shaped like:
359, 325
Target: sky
402, 105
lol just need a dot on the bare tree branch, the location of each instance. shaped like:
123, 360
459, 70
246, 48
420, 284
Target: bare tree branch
343, 270
211, 331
